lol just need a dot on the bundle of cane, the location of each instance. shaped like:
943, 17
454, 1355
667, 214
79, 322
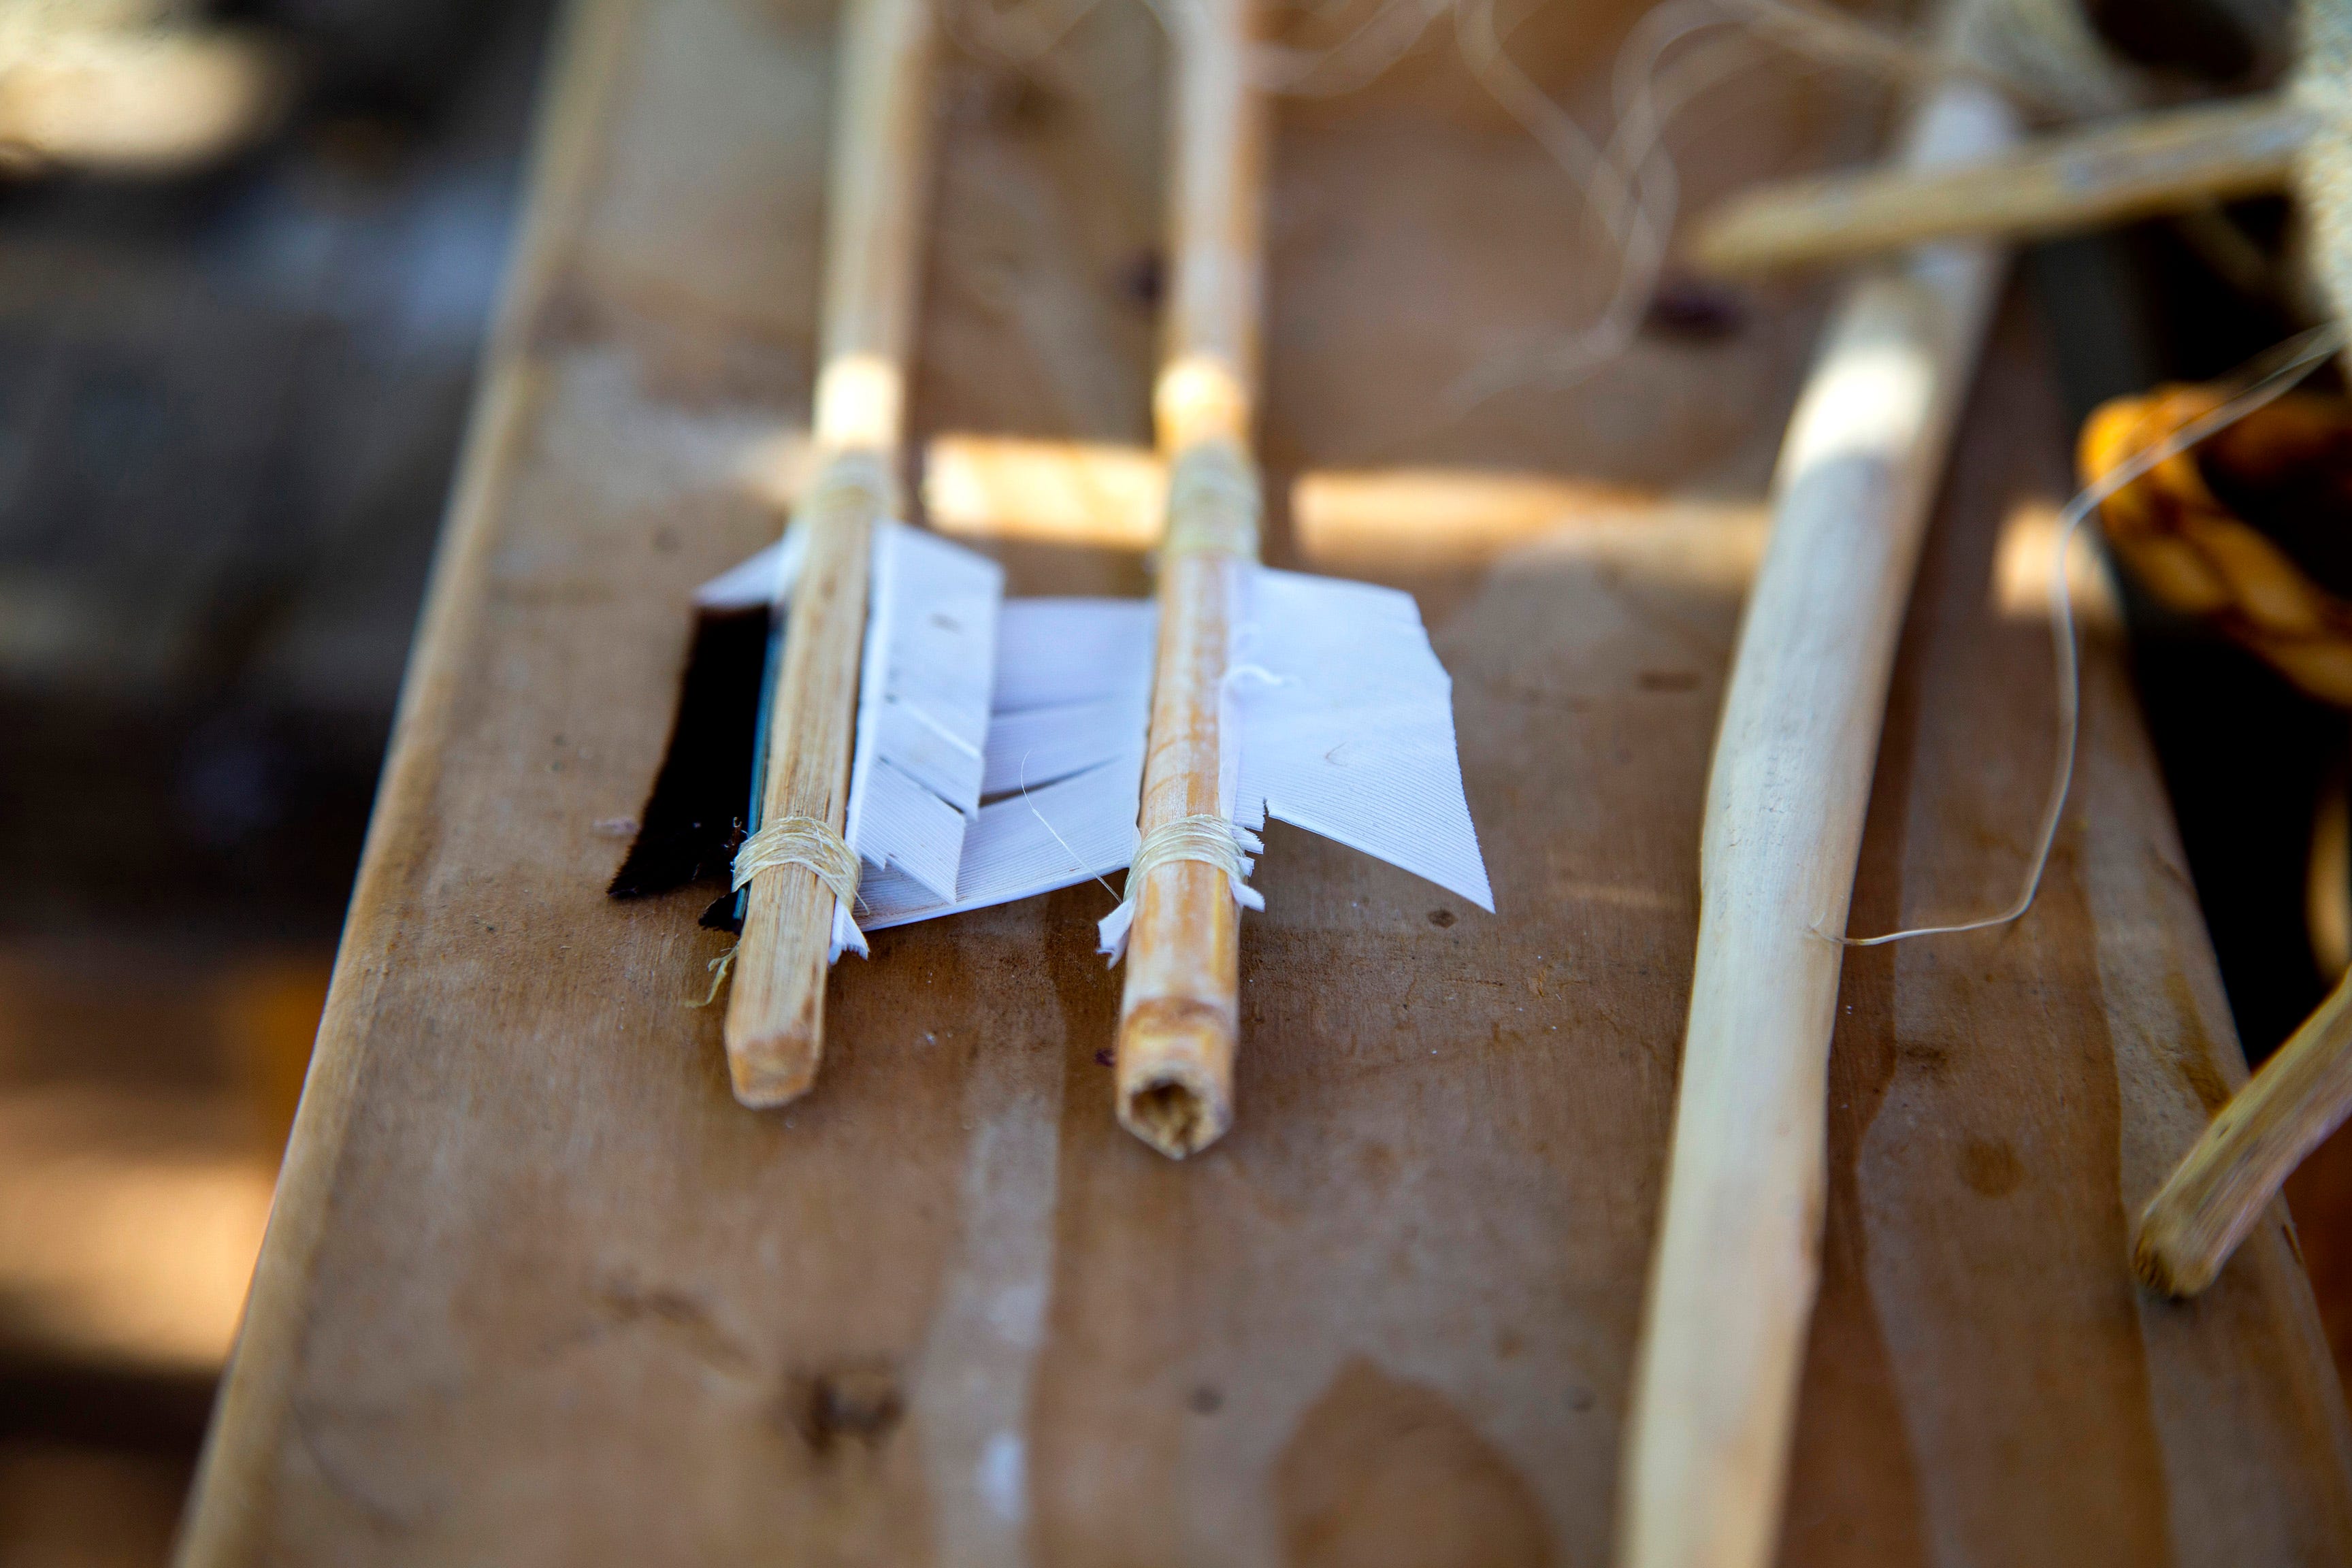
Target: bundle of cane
1736, 1262
931, 749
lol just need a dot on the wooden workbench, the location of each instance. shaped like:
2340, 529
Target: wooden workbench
537, 1291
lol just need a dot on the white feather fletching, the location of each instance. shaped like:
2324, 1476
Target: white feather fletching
1000, 743
923, 695
1346, 726
1065, 759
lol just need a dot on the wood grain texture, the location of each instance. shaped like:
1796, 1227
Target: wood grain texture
537, 1291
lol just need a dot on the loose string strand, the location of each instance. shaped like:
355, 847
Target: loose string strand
1628, 181
2260, 381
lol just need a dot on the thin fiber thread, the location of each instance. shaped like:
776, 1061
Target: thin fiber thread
2260, 381
803, 841
1209, 840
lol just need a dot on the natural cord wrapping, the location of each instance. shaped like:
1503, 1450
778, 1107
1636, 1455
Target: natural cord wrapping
1214, 504
849, 479
1211, 840
801, 841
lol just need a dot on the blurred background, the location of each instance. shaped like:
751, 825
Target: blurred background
247, 255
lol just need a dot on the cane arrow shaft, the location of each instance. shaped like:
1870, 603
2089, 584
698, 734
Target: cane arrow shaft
775, 1015
1179, 1022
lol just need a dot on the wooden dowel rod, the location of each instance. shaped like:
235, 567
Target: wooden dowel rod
2129, 168
1180, 1016
2201, 1213
1738, 1258
775, 1014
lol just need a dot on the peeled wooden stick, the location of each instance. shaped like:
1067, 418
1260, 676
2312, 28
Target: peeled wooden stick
1180, 1019
2304, 1091
2132, 167
2201, 1213
1738, 1260
775, 1015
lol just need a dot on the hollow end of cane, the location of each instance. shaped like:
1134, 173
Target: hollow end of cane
1175, 1076
773, 1069
2193, 1228
2174, 1255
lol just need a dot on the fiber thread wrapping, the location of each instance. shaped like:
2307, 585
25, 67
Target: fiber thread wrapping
802, 841
1214, 502
1211, 840
849, 480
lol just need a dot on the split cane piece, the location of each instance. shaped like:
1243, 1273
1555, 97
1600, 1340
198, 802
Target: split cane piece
2201, 1213
775, 1017
1738, 1258
1179, 1019
2136, 166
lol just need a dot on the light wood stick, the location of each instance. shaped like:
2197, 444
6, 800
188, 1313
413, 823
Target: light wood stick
2212, 1199
2304, 1092
775, 1014
1738, 1259
2138, 166
1180, 1017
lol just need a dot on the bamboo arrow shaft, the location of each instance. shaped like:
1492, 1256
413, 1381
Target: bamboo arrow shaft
775, 1014
1180, 1017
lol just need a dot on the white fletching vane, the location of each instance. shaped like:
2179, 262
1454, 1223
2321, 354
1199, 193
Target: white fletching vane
766, 578
1000, 745
1064, 757
922, 711
1346, 725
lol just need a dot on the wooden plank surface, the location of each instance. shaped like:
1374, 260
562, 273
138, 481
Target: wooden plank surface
537, 1291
